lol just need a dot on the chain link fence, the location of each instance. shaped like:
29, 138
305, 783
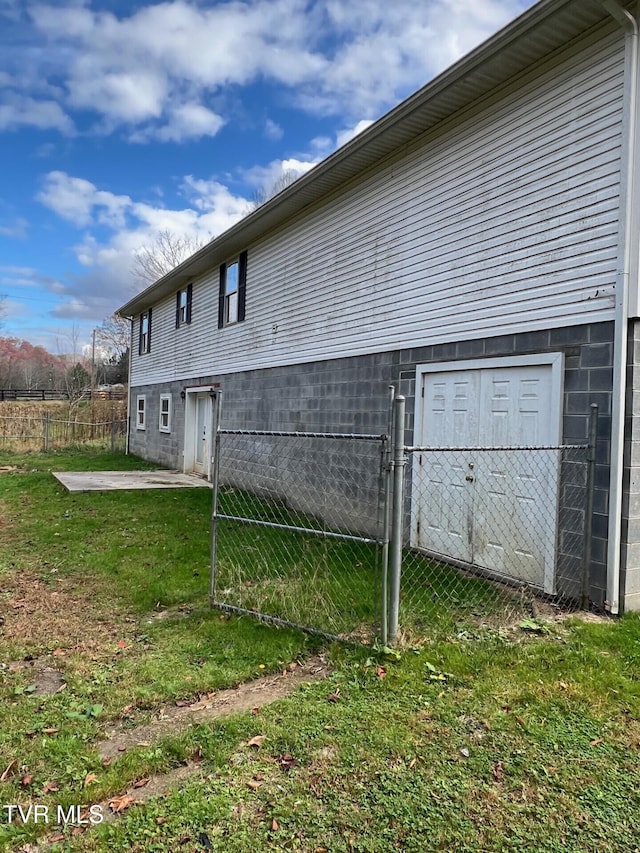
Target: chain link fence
490, 531
298, 529
361, 537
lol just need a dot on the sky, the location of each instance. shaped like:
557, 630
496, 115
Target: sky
119, 120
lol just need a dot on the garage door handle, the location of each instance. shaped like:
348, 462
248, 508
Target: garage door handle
469, 478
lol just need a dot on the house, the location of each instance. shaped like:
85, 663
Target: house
483, 233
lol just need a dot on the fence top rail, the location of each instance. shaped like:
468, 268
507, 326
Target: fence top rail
354, 436
503, 448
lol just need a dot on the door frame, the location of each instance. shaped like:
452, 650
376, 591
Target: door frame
190, 419
553, 359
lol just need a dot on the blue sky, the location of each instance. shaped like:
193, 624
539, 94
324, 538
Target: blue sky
122, 119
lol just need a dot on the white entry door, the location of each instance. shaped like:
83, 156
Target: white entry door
495, 509
202, 444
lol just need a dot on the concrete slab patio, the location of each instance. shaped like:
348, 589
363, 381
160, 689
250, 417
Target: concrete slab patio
108, 481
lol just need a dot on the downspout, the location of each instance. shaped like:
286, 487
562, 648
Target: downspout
627, 181
130, 319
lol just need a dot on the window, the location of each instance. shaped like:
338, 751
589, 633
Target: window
165, 413
233, 285
183, 306
144, 342
141, 412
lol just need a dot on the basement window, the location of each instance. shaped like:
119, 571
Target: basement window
165, 413
141, 415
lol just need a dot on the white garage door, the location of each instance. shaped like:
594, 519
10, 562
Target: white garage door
496, 509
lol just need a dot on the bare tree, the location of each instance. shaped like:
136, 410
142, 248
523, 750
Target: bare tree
263, 194
159, 257
112, 336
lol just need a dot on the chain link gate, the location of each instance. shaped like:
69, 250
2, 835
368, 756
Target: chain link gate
298, 528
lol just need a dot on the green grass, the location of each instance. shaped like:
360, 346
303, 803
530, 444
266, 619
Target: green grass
477, 739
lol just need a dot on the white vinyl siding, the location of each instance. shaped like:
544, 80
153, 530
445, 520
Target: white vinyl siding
506, 221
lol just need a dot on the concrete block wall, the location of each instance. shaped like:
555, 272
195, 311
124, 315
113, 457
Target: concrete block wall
630, 556
352, 395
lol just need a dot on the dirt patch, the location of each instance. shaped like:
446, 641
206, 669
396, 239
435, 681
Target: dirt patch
53, 616
174, 719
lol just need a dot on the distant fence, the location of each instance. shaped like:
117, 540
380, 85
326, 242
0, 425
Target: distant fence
49, 395
47, 432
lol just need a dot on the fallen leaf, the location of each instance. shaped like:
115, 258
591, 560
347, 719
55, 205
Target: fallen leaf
287, 761
254, 783
413, 763
141, 783
256, 710
182, 703
62, 687
58, 653
50, 731
333, 697
563, 685
27, 779
274, 825
498, 771
55, 838
464, 752
143, 743
160, 820
381, 672
89, 778
121, 644
49, 787
257, 741
119, 804
595, 742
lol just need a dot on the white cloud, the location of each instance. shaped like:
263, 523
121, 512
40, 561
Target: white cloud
272, 130
24, 111
107, 281
186, 121
348, 133
17, 228
155, 70
80, 202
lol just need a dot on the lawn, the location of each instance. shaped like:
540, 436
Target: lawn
480, 737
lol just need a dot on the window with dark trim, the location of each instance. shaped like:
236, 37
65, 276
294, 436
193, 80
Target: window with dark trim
183, 306
232, 293
144, 340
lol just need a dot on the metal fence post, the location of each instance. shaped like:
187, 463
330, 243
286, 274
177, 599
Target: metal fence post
47, 427
397, 517
214, 478
588, 512
386, 525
